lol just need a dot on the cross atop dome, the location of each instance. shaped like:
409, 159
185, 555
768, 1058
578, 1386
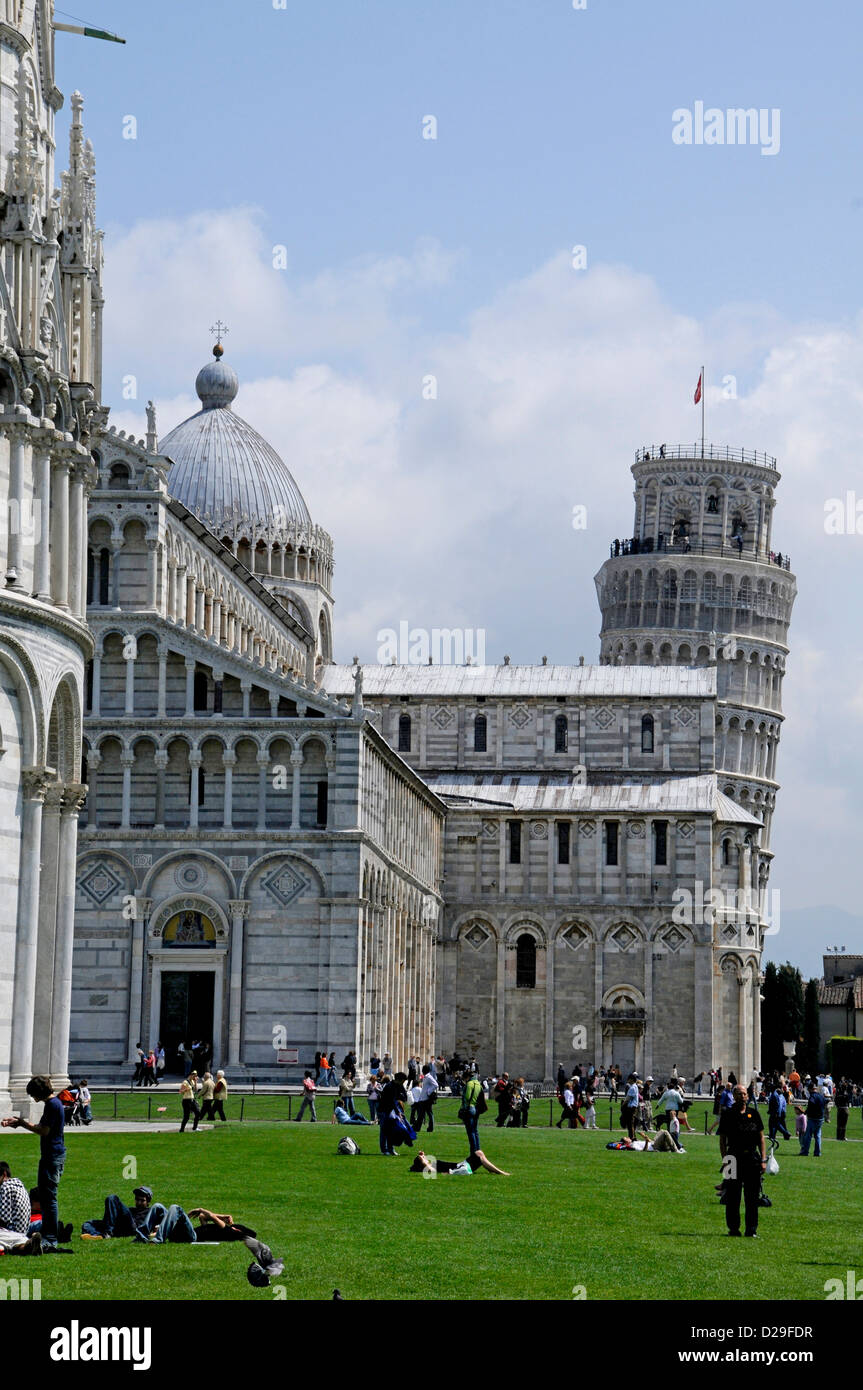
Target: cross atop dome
219, 330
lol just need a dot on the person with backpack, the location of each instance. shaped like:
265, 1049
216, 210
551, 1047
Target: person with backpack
473, 1104
325, 1070
309, 1090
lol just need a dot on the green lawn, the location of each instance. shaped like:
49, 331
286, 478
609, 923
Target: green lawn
625, 1226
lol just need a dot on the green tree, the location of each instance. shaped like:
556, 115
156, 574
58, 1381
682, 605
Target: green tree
771, 1042
810, 1048
781, 1013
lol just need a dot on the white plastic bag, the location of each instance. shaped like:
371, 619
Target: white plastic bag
772, 1164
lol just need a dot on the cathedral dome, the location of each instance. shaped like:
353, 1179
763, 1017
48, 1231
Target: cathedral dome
228, 475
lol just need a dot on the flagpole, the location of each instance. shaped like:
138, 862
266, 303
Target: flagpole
703, 394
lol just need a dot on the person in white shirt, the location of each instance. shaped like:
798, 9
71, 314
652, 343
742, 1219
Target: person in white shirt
428, 1096
631, 1105
84, 1102
568, 1106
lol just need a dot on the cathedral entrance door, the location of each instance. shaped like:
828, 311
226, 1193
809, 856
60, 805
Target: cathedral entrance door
186, 1010
624, 1053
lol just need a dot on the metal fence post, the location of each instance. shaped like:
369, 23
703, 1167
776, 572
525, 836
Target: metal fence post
242, 1105
290, 1106
115, 1105
149, 1107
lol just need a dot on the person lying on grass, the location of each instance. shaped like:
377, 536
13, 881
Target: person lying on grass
341, 1117
662, 1143
428, 1164
219, 1226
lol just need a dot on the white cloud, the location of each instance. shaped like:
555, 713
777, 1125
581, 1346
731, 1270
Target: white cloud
457, 511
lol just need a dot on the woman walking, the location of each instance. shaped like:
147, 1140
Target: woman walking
373, 1095
190, 1104
220, 1095
208, 1087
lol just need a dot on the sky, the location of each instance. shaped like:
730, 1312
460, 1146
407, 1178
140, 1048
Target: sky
445, 374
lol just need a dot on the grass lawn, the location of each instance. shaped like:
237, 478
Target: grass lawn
623, 1225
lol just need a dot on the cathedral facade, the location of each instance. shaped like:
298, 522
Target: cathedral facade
211, 830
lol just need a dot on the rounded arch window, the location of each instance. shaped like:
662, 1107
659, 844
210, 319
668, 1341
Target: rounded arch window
189, 928
647, 733
525, 962
561, 733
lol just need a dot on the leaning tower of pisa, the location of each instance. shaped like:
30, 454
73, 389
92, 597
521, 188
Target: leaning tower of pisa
703, 579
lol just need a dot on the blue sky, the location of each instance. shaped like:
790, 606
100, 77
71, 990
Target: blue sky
554, 128
260, 127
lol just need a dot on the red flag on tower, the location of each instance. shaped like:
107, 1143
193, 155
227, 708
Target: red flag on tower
698, 388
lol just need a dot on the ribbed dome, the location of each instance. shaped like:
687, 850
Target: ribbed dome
224, 472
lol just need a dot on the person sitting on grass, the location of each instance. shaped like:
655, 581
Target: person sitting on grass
341, 1117
16, 1238
428, 1164
120, 1220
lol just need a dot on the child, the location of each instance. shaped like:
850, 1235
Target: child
35, 1212
800, 1122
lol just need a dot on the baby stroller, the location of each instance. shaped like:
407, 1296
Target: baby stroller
72, 1107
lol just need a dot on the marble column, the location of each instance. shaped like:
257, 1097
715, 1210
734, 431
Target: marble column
180, 595
160, 758
77, 542
172, 590
130, 656
218, 691
229, 760
116, 548
97, 681
43, 1010
195, 760
42, 575
73, 799
127, 762
94, 760
296, 764
263, 761
152, 571
246, 688
239, 910
190, 687
142, 907
15, 509
60, 534
163, 682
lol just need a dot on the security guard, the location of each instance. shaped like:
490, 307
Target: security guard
741, 1144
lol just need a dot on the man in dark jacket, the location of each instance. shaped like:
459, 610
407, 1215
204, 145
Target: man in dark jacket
843, 1106
741, 1143
393, 1096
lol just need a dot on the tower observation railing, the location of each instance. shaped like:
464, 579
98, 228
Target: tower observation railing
720, 453
686, 545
